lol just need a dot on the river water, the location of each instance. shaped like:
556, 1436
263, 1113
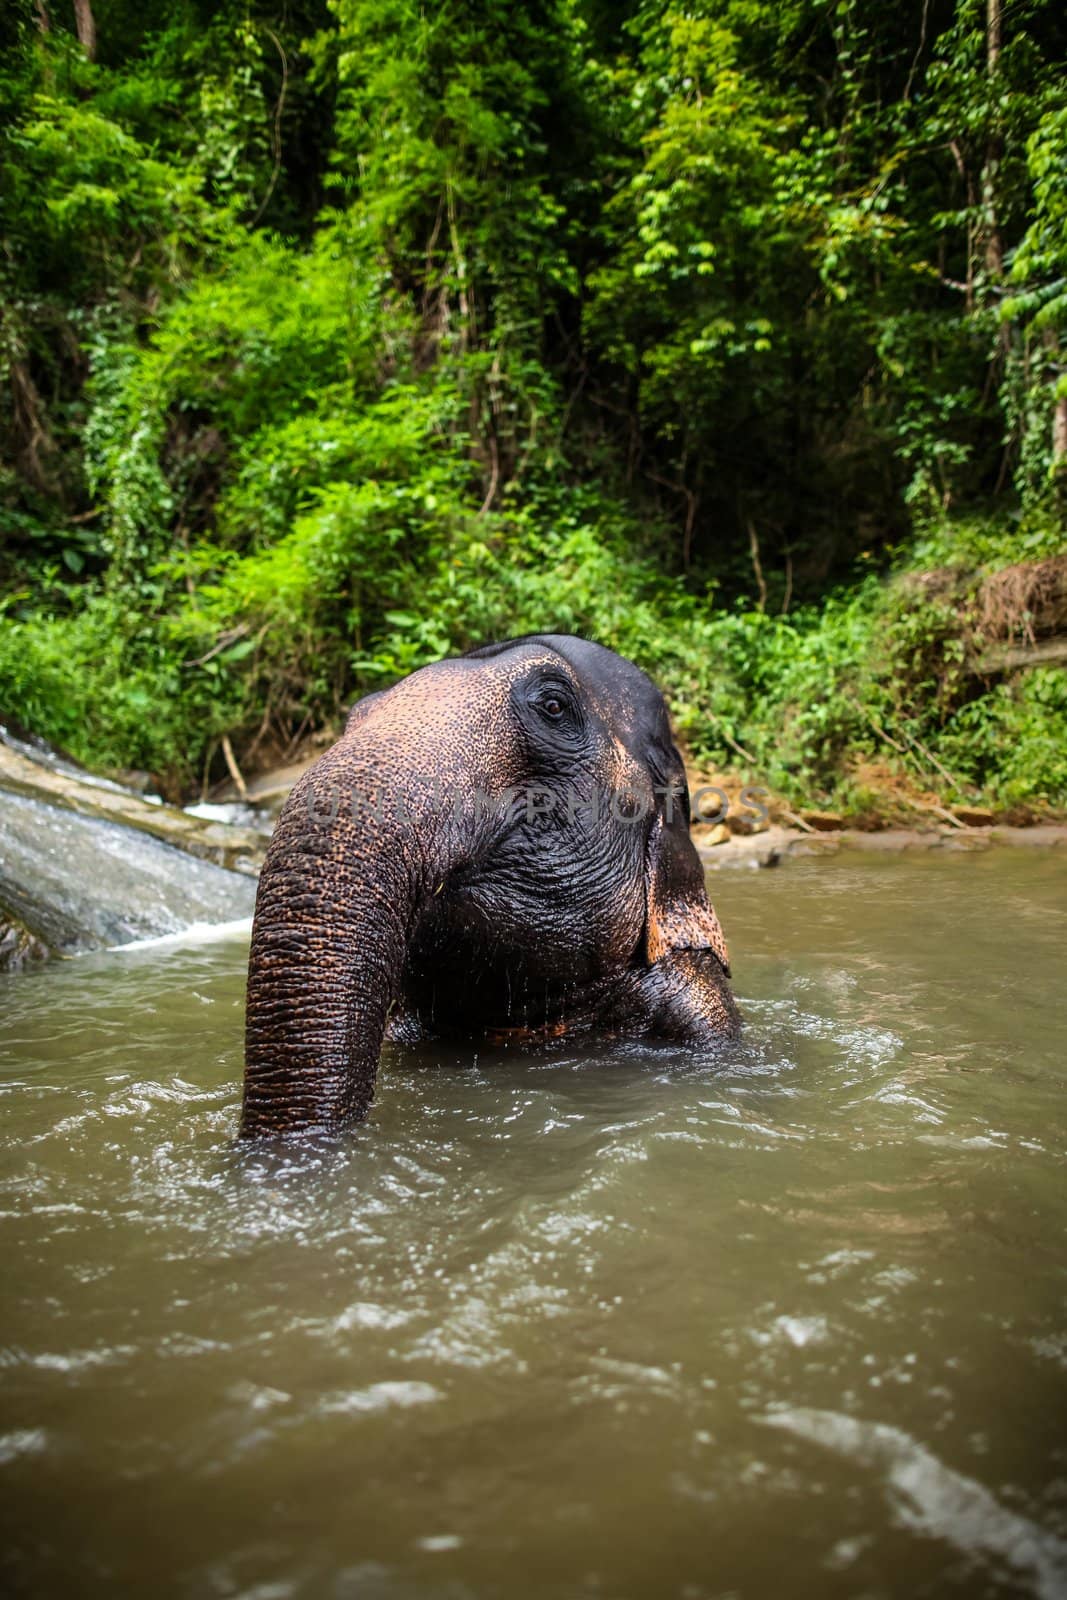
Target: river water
618, 1322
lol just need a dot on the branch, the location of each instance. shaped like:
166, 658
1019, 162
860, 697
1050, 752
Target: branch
223, 642
691, 503
753, 544
235, 771
919, 51
276, 135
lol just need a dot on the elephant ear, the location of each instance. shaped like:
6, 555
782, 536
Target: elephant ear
678, 914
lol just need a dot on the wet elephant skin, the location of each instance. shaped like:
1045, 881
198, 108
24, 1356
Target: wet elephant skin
497, 846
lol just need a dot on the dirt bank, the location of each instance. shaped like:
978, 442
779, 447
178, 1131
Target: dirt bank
776, 844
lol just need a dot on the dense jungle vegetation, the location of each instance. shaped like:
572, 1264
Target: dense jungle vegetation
339, 335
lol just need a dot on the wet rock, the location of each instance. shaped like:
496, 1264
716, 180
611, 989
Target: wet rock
744, 826
18, 946
764, 849
815, 844
235, 814
890, 840
823, 821
85, 862
268, 791
965, 839
72, 882
973, 816
240, 848
134, 778
1045, 836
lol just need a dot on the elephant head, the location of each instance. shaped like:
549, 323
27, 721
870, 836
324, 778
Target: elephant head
498, 843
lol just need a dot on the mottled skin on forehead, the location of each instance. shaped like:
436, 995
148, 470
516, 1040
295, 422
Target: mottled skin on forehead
439, 914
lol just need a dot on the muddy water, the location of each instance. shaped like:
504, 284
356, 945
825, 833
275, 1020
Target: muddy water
619, 1323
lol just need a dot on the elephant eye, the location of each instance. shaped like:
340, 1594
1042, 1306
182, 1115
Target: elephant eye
554, 703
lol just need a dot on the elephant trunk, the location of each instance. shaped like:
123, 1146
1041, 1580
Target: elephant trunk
338, 897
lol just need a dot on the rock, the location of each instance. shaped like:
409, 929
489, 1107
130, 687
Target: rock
823, 821
719, 834
814, 844
135, 778
85, 863
18, 946
964, 839
268, 791
234, 813
973, 816
891, 840
1044, 836
744, 824
226, 846
73, 883
754, 850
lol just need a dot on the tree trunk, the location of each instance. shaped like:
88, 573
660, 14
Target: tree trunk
86, 26
994, 244
1059, 434
994, 33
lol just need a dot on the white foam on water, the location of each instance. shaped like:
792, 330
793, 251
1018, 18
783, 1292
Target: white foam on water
196, 933
932, 1499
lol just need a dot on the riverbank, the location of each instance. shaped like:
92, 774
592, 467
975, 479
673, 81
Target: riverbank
776, 844
745, 838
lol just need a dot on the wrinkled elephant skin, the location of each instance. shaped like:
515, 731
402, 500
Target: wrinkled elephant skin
498, 846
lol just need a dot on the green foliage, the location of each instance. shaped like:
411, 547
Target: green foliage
342, 337
243, 355
112, 690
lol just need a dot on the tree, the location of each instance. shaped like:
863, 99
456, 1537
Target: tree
86, 26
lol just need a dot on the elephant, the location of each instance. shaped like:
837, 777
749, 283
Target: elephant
498, 847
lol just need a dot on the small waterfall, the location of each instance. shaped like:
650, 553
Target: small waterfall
78, 881
86, 863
